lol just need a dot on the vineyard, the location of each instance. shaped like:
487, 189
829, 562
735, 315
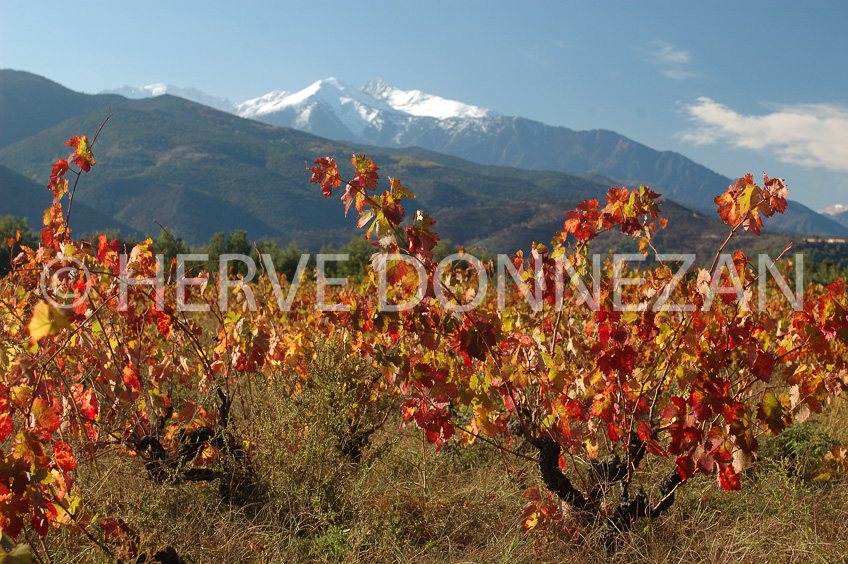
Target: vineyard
563, 402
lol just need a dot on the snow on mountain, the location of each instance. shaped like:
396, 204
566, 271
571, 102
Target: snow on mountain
192, 94
417, 103
835, 209
270, 102
382, 115
134, 92
377, 113
327, 107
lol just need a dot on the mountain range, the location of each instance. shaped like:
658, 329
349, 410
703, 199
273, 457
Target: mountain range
382, 115
199, 170
838, 213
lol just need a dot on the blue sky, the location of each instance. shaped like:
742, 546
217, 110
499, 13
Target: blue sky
737, 86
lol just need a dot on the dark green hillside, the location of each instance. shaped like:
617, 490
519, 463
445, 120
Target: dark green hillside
841, 218
23, 198
212, 151
515, 141
199, 171
528, 221
30, 103
798, 218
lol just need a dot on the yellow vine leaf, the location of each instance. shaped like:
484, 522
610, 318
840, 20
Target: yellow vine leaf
46, 320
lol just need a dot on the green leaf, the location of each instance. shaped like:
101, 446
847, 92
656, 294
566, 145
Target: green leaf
748, 200
770, 412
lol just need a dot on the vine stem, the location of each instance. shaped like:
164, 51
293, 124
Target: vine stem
723, 245
86, 532
78, 173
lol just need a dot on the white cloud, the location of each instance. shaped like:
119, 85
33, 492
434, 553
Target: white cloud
810, 135
677, 74
670, 60
667, 54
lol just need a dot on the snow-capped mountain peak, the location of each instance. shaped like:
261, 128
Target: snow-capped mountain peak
835, 209
418, 103
332, 108
138, 92
264, 104
327, 107
330, 91
159, 89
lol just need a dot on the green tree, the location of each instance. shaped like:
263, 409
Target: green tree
170, 247
285, 261
9, 227
238, 244
235, 243
359, 251
443, 248
216, 247
267, 247
290, 260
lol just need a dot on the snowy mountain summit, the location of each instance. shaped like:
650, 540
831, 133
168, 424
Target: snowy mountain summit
329, 107
384, 116
377, 113
835, 209
417, 103
159, 89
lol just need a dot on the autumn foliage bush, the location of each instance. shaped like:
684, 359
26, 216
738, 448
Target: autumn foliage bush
683, 368
99, 356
